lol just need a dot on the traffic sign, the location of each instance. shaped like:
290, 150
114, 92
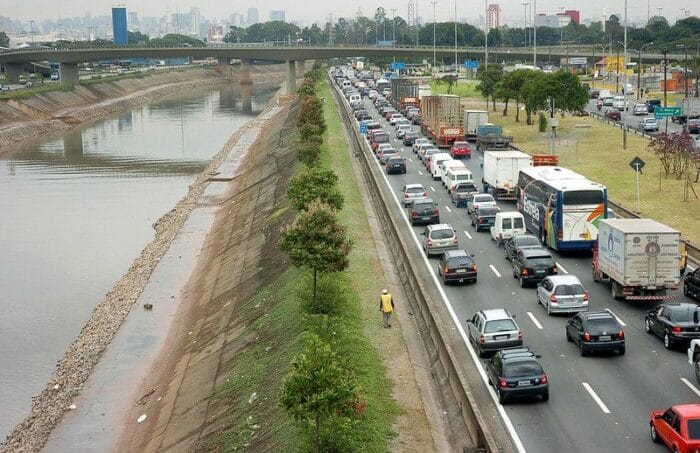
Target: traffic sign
472, 64
363, 129
666, 112
398, 65
637, 164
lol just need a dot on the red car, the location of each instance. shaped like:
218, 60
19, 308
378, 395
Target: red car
377, 139
613, 115
677, 427
461, 149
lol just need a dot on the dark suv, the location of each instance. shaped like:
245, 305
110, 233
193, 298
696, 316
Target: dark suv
596, 331
652, 104
520, 242
483, 218
675, 323
423, 211
693, 126
691, 284
532, 266
457, 266
516, 373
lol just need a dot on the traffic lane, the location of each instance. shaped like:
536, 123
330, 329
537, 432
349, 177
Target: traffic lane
632, 120
479, 246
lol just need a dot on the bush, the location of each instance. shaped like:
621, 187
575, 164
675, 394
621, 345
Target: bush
542, 122
308, 152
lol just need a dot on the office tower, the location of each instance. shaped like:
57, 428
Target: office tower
121, 36
252, 16
277, 14
493, 16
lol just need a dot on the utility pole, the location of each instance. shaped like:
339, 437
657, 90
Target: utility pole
665, 86
525, 30
456, 67
534, 33
624, 87
393, 25
486, 36
434, 2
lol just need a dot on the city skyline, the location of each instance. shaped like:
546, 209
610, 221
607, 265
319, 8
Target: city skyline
317, 10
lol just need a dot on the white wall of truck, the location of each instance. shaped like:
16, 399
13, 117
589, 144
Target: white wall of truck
502, 168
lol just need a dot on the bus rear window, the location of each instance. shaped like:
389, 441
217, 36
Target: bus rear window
576, 197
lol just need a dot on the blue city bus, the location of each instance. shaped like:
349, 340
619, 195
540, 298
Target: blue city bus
561, 207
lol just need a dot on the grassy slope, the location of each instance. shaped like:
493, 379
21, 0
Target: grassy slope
596, 151
351, 292
463, 88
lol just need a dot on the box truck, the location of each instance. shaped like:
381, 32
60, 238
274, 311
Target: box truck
472, 120
501, 171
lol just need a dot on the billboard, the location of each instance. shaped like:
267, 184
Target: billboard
614, 64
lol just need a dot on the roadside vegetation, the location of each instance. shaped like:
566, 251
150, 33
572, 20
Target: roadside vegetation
332, 392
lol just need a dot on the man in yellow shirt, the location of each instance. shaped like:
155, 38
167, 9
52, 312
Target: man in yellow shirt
386, 306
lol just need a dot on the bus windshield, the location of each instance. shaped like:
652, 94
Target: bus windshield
578, 197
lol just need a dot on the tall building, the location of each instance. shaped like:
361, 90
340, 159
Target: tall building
252, 17
277, 14
195, 20
237, 20
215, 33
552, 21
493, 16
121, 36
133, 18
574, 15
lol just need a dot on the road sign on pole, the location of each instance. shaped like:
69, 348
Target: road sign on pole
666, 112
637, 164
472, 64
398, 65
363, 129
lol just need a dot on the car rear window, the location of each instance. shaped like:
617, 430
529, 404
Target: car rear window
459, 261
499, 325
540, 261
517, 369
488, 211
381, 138
461, 145
694, 428
603, 325
569, 290
518, 223
417, 205
415, 190
465, 188
524, 241
682, 314
483, 198
444, 233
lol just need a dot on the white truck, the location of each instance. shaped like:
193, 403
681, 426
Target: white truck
694, 357
501, 171
638, 257
472, 120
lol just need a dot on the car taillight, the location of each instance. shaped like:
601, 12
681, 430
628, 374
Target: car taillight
405, 195
414, 214
446, 270
479, 220
456, 240
586, 336
621, 335
425, 194
430, 242
676, 329
553, 299
520, 334
474, 267
560, 234
543, 379
502, 383
524, 272
585, 296
436, 212
555, 270
482, 339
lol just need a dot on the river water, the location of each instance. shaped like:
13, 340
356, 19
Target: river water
77, 209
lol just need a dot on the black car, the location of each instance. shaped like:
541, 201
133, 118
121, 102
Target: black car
532, 265
483, 218
594, 94
693, 126
410, 137
652, 104
360, 113
462, 192
691, 284
417, 119
520, 242
596, 331
676, 323
423, 211
516, 373
395, 164
457, 266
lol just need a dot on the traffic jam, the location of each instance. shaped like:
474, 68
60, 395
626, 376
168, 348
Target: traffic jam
548, 287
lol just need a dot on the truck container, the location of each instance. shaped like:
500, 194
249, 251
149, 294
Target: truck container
404, 93
423, 91
501, 171
472, 120
442, 119
490, 136
690, 110
639, 258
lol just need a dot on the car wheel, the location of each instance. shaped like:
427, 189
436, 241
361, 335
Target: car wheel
583, 351
685, 291
549, 310
568, 337
667, 341
522, 283
647, 326
653, 434
696, 365
501, 397
622, 350
545, 397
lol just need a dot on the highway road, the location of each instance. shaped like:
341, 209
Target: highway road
598, 403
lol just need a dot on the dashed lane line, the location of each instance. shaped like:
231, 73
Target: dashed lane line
561, 268
616, 317
596, 398
420, 172
495, 271
467, 234
690, 386
535, 321
432, 188
448, 208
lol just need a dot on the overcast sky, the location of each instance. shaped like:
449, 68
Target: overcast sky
310, 10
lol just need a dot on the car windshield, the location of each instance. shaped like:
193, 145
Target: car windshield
459, 261
694, 428
597, 325
444, 233
517, 369
499, 325
569, 290
541, 261
527, 241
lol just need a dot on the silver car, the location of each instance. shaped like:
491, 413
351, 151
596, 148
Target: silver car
402, 129
418, 142
494, 329
480, 200
640, 109
562, 294
411, 192
649, 125
438, 238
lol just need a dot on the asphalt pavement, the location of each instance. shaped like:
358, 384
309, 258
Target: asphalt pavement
598, 403
630, 119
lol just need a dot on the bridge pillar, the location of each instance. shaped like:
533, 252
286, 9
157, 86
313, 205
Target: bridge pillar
224, 67
13, 71
246, 83
291, 77
301, 68
69, 74
73, 146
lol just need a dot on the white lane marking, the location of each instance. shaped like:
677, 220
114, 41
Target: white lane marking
432, 188
690, 386
420, 172
561, 268
455, 319
596, 398
467, 233
616, 317
448, 209
495, 271
410, 160
535, 321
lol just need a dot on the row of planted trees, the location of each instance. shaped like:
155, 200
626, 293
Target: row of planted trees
319, 392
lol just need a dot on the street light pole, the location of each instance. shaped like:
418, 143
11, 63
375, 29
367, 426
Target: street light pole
639, 69
665, 86
456, 67
527, 40
415, 14
486, 35
393, 25
534, 33
434, 2
624, 87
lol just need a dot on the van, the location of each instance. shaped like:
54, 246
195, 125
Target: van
506, 224
446, 165
620, 103
346, 84
604, 94
456, 175
435, 161
354, 98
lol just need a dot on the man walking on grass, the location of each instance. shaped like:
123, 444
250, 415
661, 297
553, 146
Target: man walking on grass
386, 306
